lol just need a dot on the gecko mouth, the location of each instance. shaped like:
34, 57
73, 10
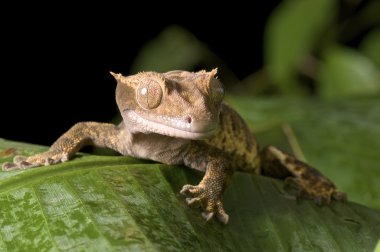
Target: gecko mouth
172, 126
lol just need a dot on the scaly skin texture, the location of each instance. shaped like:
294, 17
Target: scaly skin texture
180, 118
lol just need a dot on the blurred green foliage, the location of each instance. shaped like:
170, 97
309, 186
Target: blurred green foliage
176, 48
291, 34
306, 51
347, 73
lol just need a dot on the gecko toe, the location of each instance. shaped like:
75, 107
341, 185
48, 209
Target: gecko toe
322, 200
48, 161
221, 214
223, 217
215, 210
8, 166
26, 165
185, 190
18, 159
21, 165
339, 196
190, 190
193, 202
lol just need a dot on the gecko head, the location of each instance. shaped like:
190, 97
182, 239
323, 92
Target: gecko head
177, 103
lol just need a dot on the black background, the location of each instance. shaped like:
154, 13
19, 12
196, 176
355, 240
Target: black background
55, 64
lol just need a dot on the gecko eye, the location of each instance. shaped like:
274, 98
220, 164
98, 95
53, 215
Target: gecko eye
149, 94
216, 90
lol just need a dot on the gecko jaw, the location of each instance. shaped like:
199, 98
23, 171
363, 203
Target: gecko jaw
173, 127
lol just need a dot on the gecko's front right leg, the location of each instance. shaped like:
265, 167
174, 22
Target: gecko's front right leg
208, 193
81, 134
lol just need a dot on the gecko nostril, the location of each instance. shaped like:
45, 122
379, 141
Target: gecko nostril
188, 119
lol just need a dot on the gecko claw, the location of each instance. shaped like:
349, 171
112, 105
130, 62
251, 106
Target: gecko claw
221, 214
207, 215
223, 218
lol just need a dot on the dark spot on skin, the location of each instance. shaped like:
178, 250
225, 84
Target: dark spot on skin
288, 160
307, 176
224, 140
314, 172
233, 125
298, 168
249, 145
221, 125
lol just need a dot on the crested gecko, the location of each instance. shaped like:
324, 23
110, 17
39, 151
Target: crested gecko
179, 118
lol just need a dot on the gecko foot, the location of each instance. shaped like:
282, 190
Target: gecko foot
45, 158
208, 199
320, 191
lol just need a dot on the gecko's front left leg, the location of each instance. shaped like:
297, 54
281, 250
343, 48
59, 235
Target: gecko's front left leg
81, 134
208, 193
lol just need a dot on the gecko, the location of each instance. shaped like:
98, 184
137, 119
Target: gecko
180, 118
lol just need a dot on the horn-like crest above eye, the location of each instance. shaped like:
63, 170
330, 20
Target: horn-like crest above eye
210, 76
118, 77
205, 78
213, 72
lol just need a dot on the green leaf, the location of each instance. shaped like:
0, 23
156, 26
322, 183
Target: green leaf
173, 48
371, 46
177, 48
346, 73
377, 249
287, 43
103, 203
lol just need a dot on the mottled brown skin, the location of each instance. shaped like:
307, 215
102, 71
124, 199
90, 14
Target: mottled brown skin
179, 118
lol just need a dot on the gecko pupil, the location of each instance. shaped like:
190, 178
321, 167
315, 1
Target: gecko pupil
149, 94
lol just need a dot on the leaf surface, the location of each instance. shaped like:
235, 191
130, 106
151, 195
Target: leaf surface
104, 203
